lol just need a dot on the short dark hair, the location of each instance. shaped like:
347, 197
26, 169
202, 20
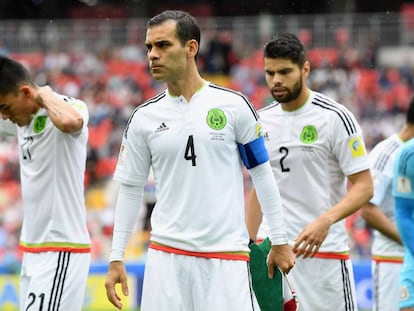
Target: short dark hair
12, 75
410, 112
287, 46
187, 27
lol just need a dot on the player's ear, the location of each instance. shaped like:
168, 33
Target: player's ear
26, 90
306, 69
192, 48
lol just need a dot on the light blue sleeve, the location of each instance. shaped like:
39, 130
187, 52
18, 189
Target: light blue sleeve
403, 177
404, 214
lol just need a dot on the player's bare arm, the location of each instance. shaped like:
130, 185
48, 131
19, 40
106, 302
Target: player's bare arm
309, 241
254, 215
376, 218
64, 117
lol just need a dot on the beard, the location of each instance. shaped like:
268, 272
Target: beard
291, 94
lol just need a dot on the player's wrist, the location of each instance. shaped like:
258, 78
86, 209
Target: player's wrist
279, 239
116, 255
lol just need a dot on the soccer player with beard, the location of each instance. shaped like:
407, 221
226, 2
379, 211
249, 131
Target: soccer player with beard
315, 147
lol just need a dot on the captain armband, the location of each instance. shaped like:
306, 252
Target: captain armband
254, 153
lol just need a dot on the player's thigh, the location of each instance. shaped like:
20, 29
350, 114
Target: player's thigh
227, 288
324, 284
162, 280
179, 283
54, 281
386, 286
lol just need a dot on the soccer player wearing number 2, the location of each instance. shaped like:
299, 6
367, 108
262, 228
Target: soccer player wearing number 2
195, 135
315, 145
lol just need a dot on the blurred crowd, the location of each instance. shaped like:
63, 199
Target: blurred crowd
115, 81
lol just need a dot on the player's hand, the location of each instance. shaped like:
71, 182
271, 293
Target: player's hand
42, 94
309, 241
281, 256
116, 274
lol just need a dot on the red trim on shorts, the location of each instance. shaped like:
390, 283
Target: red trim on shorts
54, 249
325, 255
395, 259
329, 255
244, 256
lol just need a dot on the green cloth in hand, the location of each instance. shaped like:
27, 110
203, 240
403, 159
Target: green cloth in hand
269, 292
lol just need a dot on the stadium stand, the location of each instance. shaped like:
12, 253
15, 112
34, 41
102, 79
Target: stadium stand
113, 79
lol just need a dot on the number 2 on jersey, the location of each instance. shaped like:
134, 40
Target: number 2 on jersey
189, 153
285, 152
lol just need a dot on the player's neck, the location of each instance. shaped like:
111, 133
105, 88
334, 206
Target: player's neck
298, 102
186, 87
407, 132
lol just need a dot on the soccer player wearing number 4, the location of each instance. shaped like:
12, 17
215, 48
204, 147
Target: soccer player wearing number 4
195, 135
52, 133
315, 145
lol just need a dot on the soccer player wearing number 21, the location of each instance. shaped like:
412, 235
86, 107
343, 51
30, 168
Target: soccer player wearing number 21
52, 133
315, 147
195, 135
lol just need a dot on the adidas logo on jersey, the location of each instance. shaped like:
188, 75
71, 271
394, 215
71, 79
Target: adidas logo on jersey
162, 128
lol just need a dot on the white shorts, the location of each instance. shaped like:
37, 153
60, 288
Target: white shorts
54, 281
386, 290
175, 282
324, 284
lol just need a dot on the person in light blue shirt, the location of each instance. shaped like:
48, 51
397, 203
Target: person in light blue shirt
403, 192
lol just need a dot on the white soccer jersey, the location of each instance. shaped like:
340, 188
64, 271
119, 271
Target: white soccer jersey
52, 168
194, 143
382, 158
312, 150
8, 128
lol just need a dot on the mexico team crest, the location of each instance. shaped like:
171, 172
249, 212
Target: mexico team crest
216, 119
39, 124
309, 134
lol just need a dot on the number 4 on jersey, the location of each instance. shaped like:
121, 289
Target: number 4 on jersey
189, 153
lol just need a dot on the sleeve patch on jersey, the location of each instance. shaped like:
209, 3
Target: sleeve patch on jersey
357, 147
259, 130
254, 153
403, 184
79, 106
